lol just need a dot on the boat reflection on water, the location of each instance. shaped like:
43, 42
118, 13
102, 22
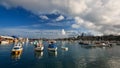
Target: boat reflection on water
38, 54
93, 46
52, 53
16, 56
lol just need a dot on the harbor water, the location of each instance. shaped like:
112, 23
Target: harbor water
75, 57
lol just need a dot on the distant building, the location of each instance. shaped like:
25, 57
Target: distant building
6, 37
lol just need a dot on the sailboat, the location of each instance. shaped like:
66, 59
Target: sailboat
63, 47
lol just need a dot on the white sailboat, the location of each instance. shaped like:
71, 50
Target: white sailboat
63, 47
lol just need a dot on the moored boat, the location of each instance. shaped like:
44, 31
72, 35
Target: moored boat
65, 48
52, 46
17, 49
39, 46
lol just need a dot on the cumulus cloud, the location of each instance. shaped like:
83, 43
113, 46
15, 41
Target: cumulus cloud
100, 16
95, 15
60, 18
44, 17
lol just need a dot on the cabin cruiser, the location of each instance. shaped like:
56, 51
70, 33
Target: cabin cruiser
17, 49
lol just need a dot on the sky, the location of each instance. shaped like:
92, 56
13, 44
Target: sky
47, 18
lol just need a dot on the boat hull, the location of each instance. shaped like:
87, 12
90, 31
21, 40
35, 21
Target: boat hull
16, 52
52, 49
39, 48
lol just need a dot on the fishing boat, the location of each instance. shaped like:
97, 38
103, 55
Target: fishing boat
52, 46
17, 49
39, 46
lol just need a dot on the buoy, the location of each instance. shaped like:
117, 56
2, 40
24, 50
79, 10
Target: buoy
65, 48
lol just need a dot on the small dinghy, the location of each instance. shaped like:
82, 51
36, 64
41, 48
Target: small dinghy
65, 48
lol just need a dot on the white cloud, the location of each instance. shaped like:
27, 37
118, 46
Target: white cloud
44, 17
63, 32
60, 18
77, 6
95, 15
78, 20
82, 23
75, 26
